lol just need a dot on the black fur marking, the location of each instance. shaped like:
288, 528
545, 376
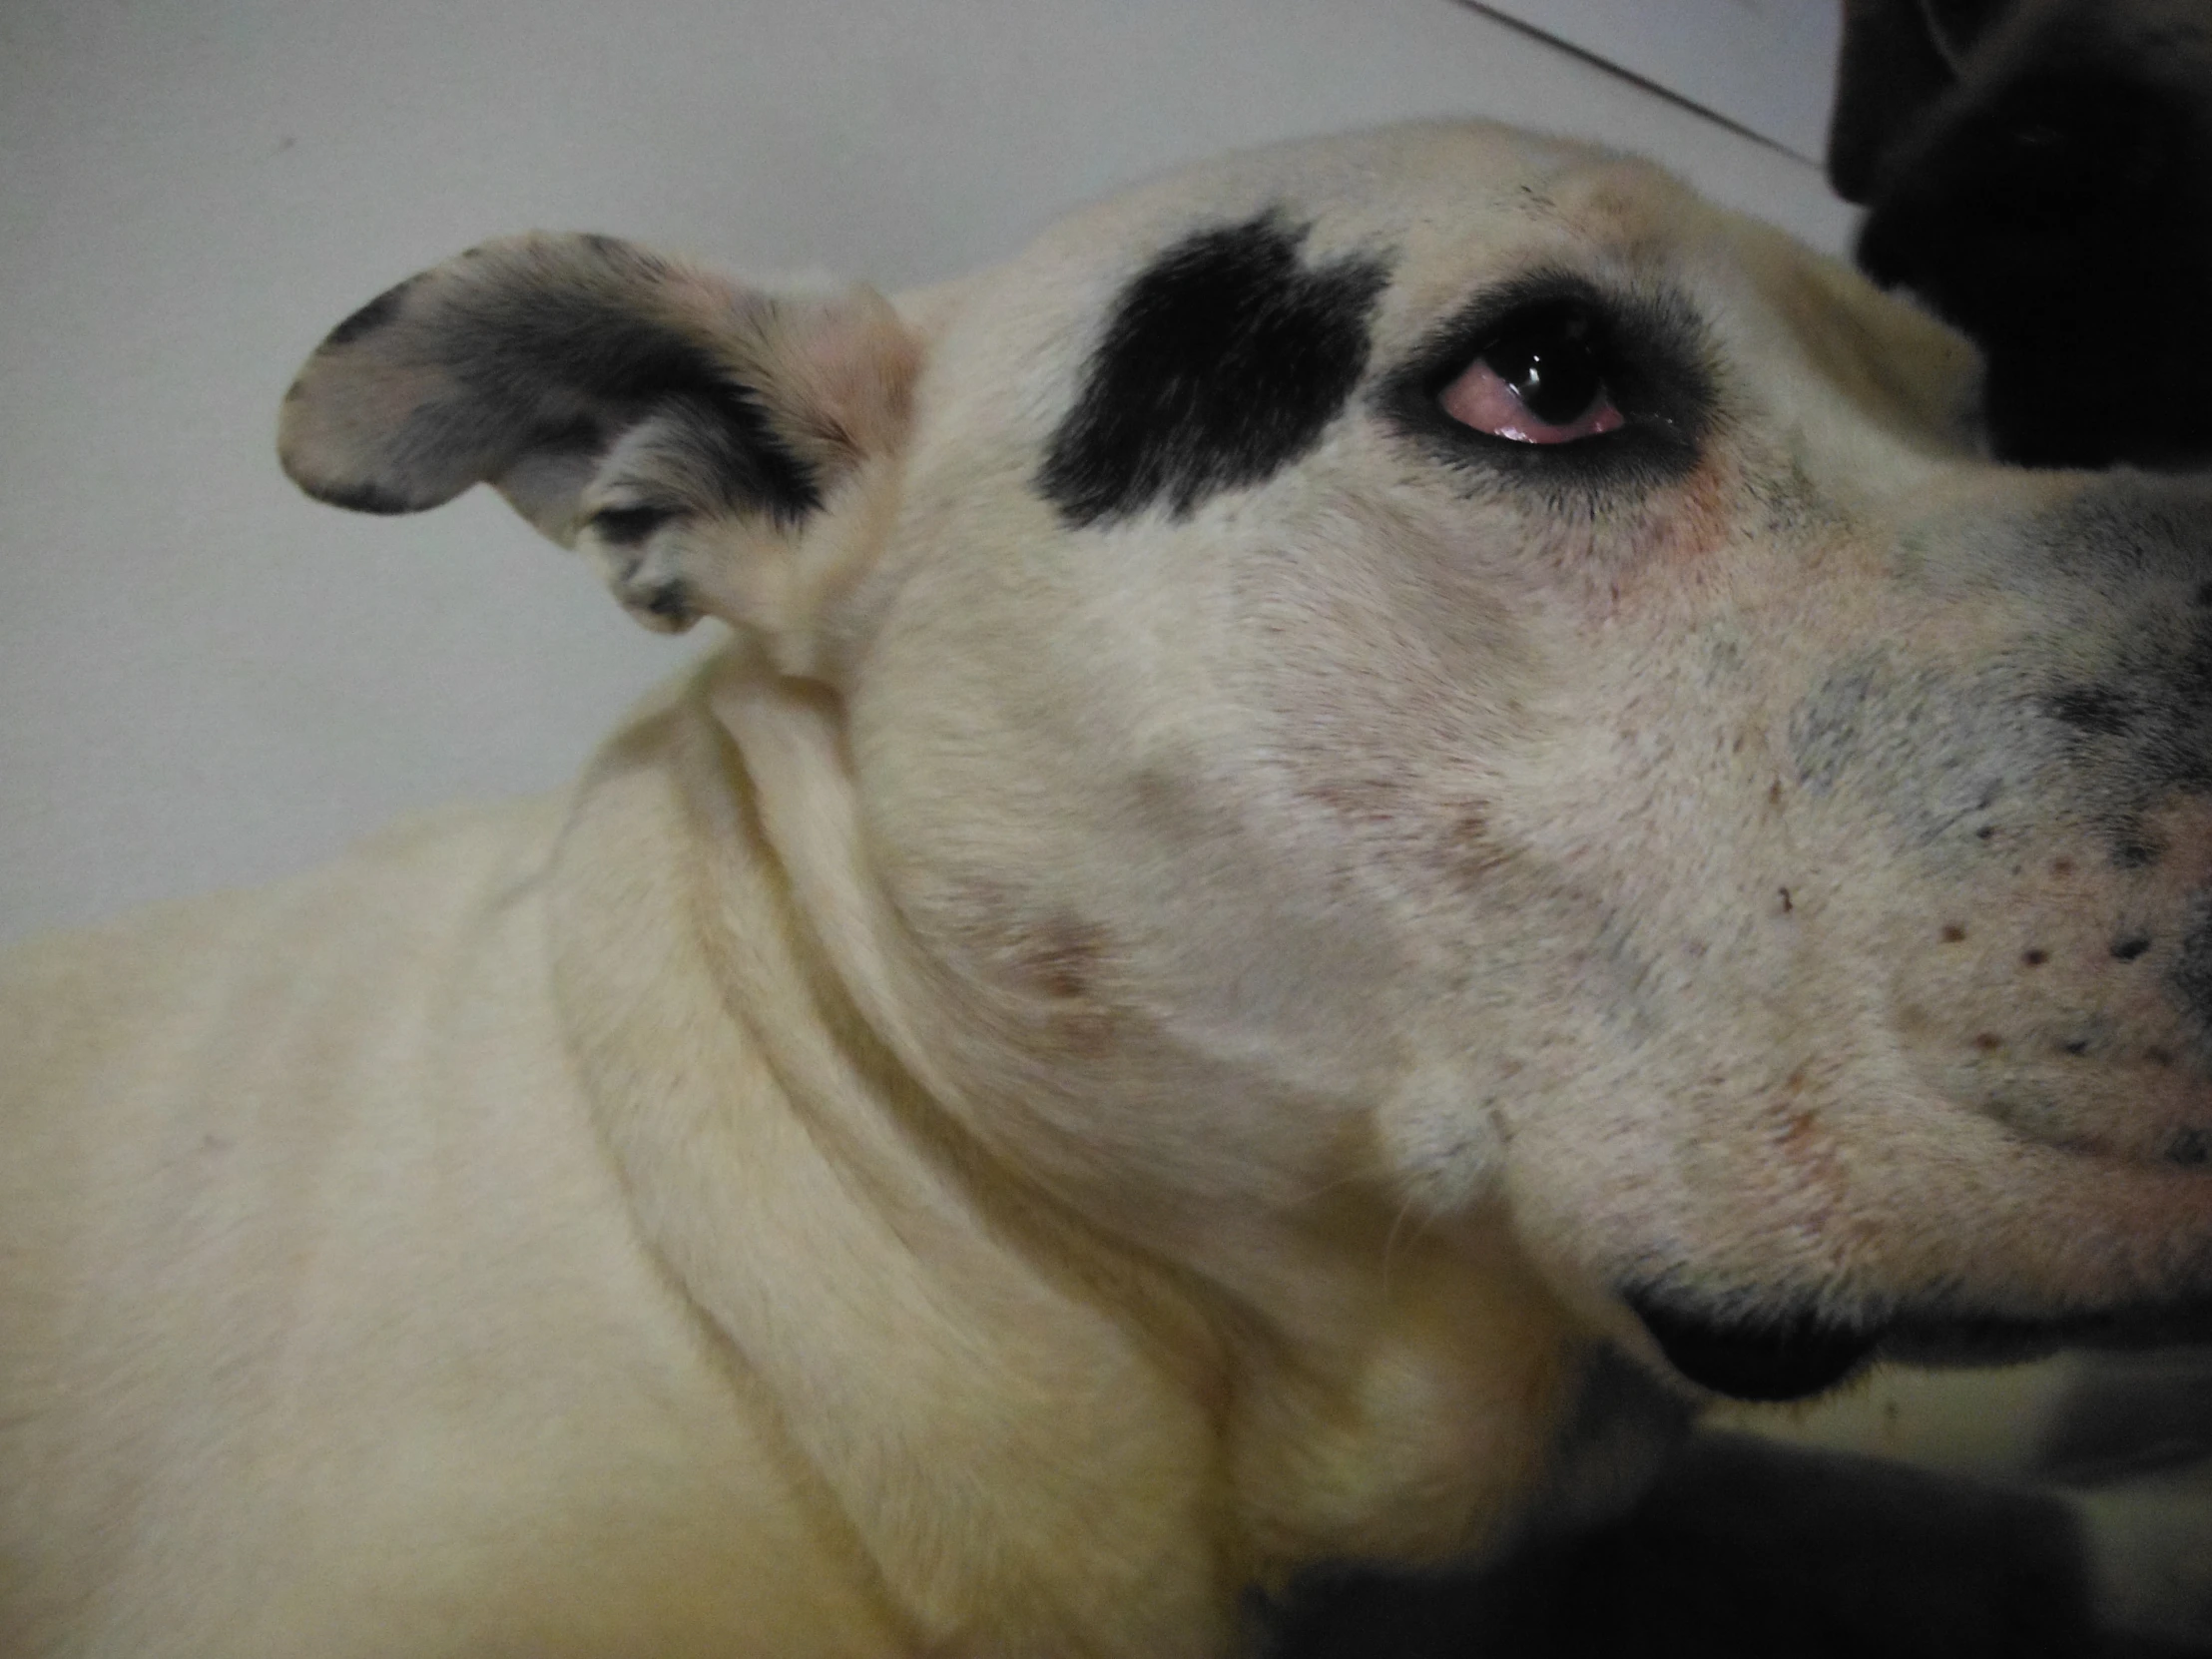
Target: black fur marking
2126, 950
629, 526
1221, 363
1652, 350
581, 436
671, 601
2095, 708
1790, 1357
362, 497
371, 317
618, 358
519, 343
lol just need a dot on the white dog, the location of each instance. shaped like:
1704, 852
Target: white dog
1372, 774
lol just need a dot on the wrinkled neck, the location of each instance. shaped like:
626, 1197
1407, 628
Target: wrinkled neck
957, 1363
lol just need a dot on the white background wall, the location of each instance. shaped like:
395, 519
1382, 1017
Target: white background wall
205, 679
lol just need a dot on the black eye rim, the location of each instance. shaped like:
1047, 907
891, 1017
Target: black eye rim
1655, 357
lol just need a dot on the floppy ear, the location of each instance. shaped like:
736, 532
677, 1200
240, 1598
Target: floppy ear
680, 428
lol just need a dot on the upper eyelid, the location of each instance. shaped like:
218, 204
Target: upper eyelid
1636, 321
1485, 316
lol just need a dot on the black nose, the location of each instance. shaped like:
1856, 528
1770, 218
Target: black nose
1788, 1358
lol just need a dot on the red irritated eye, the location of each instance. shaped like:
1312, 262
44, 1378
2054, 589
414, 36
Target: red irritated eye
1482, 399
1538, 381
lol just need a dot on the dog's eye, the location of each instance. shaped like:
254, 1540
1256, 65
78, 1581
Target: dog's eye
1540, 379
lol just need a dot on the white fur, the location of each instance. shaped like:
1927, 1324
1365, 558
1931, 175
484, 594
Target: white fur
1065, 1072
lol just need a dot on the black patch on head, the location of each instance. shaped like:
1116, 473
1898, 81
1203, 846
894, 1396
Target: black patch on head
371, 317
1788, 1357
629, 526
2126, 950
1221, 364
1650, 350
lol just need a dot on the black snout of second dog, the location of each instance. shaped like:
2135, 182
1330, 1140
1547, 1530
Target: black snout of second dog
2061, 219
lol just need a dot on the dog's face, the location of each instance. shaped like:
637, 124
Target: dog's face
1434, 666
2041, 172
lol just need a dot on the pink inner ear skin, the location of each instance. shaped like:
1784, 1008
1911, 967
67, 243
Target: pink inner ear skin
1481, 398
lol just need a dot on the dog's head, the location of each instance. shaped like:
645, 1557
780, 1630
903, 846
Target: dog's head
2041, 172
1434, 666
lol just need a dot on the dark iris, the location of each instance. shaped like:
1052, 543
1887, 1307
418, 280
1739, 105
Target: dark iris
1548, 355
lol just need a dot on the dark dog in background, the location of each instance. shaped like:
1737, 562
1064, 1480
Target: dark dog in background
2040, 171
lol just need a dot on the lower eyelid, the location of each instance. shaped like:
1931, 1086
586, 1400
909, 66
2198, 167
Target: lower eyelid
1479, 399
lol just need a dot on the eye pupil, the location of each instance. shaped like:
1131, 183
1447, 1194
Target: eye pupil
1550, 362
